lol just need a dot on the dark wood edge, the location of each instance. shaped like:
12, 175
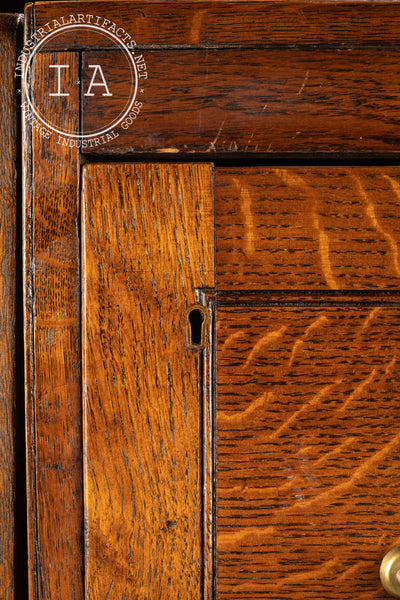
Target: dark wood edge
28, 335
12, 459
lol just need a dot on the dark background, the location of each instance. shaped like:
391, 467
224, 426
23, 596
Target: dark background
16, 6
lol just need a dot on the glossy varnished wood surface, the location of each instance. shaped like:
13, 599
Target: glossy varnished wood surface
8, 304
307, 450
253, 101
147, 245
53, 356
308, 228
303, 454
278, 77
226, 23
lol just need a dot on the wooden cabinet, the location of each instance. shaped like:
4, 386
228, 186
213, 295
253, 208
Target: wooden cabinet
212, 299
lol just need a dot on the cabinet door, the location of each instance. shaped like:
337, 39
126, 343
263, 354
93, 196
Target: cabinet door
148, 246
303, 391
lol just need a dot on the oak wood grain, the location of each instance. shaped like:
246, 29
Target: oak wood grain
147, 245
8, 304
307, 450
227, 23
53, 357
308, 228
250, 101
306, 396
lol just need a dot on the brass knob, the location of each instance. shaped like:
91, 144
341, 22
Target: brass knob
390, 572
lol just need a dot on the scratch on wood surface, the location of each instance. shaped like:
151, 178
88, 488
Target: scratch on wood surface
249, 140
370, 210
303, 85
314, 401
304, 450
214, 141
271, 336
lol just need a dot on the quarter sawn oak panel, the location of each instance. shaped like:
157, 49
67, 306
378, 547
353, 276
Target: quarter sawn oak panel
310, 228
148, 244
308, 445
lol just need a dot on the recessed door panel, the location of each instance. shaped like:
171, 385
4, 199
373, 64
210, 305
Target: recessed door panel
148, 244
307, 448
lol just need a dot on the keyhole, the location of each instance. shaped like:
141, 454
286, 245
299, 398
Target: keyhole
196, 320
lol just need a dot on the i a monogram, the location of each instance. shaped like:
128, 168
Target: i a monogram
97, 80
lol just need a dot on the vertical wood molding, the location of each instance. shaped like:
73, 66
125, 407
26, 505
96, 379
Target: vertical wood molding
8, 300
53, 371
148, 243
208, 381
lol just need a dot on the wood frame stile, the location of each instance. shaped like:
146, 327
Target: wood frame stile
53, 356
